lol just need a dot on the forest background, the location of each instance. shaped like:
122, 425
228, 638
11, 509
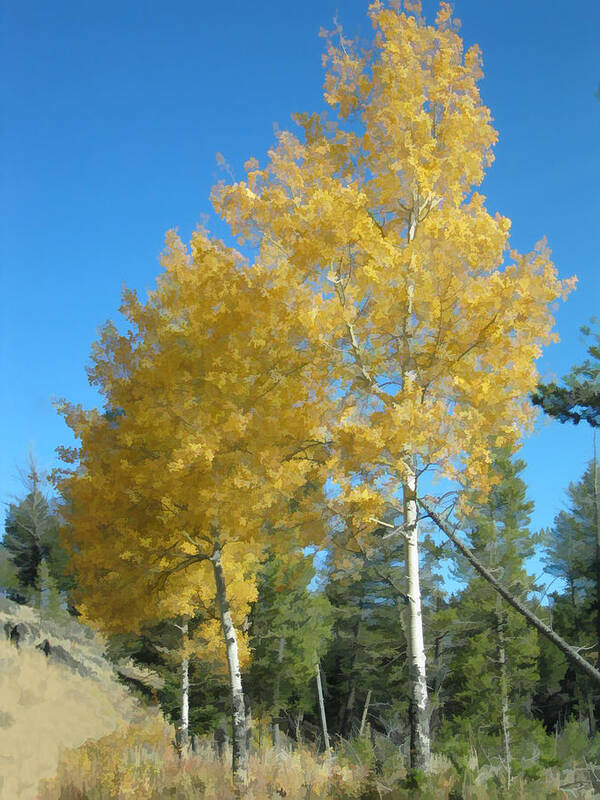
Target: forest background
357, 591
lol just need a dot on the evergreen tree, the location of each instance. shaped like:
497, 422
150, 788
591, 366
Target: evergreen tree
162, 648
573, 554
574, 540
579, 399
290, 627
367, 664
571, 541
494, 668
32, 545
368, 651
9, 580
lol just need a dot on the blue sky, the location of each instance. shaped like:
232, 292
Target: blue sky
113, 114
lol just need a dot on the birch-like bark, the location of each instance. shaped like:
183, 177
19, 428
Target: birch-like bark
322, 709
570, 652
501, 650
420, 746
185, 697
43, 574
239, 745
364, 714
298, 718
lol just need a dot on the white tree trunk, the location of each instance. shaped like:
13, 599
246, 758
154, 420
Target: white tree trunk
364, 714
420, 749
239, 744
185, 696
43, 580
322, 709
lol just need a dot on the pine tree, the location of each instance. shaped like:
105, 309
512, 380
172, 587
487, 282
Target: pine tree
31, 542
9, 580
573, 554
494, 665
186, 655
579, 398
366, 588
571, 541
290, 627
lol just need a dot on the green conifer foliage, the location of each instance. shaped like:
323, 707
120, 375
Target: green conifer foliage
579, 398
494, 669
9, 581
368, 652
571, 542
290, 626
573, 552
31, 544
158, 647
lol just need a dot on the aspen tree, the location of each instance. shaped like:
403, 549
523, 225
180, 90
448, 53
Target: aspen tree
425, 324
184, 691
198, 445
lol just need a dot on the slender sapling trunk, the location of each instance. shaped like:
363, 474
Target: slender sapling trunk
364, 714
185, 697
322, 709
239, 743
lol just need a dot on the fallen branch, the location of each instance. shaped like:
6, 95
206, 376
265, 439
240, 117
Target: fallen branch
570, 653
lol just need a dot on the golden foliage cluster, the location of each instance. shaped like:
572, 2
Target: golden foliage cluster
384, 326
420, 313
200, 413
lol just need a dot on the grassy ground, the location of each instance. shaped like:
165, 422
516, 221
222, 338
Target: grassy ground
70, 731
139, 763
49, 703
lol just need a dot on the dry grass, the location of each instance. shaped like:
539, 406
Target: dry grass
75, 733
139, 763
46, 706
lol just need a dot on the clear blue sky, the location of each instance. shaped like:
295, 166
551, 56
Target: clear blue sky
112, 116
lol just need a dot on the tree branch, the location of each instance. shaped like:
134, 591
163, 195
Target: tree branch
568, 651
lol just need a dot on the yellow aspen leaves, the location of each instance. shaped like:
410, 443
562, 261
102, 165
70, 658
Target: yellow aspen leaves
199, 439
384, 326
428, 324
